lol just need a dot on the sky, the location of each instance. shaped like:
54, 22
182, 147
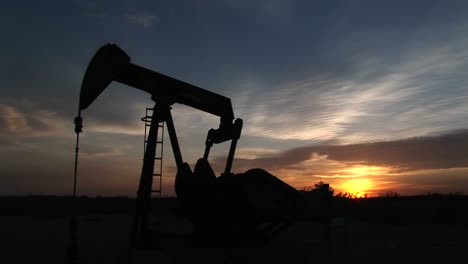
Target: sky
369, 96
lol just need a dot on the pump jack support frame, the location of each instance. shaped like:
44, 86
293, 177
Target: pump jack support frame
110, 63
140, 227
162, 113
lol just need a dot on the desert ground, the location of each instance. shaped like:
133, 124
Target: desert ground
103, 238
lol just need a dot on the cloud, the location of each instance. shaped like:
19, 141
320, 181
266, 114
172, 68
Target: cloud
423, 153
366, 84
321, 108
339, 72
410, 166
13, 121
438, 180
113, 13
95, 126
91, 9
36, 123
437, 152
407, 94
143, 20
269, 11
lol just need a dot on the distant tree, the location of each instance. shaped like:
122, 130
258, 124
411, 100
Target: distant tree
389, 193
350, 195
344, 195
320, 187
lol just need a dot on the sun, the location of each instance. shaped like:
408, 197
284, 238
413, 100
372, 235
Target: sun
357, 187
357, 179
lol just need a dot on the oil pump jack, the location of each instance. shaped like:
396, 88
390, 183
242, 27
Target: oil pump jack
213, 204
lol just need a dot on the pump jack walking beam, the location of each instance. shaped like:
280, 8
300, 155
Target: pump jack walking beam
110, 63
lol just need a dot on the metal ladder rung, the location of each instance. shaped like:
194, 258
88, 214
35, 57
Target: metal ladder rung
157, 142
156, 158
148, 125
148, 121
155, 191
157, 174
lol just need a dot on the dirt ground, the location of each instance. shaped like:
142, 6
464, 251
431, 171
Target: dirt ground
104, 239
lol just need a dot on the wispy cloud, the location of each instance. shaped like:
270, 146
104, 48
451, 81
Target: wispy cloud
143, 20
269, 11
424, 92
323, 109
94, 126
91, 9
37, 123
13, 121
103, 12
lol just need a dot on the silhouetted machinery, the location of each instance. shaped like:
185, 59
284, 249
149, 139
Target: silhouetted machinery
227, 206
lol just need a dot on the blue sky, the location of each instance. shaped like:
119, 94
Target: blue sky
299, 73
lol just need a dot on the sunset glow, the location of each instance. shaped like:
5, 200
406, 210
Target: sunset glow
357, 179
356, 187
383, 108
362, 170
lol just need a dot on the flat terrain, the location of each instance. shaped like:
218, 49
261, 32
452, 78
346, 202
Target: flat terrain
104, 239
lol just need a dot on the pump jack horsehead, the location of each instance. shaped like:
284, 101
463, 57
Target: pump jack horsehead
228, 206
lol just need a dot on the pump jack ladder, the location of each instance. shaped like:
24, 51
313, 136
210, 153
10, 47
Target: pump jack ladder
156, 186
158, 158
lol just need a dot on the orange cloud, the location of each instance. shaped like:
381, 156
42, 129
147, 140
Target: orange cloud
412, 165
12, 121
